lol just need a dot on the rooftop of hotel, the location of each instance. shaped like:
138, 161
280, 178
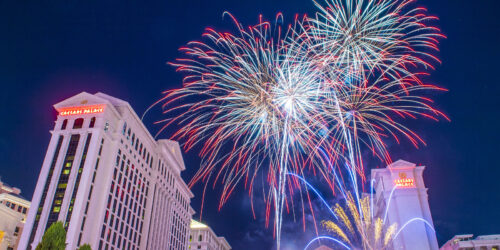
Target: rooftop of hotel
197, 225
5, 188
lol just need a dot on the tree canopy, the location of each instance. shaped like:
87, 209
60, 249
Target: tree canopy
85, 247
54, 238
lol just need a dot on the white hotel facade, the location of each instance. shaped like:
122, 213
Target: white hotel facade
400, 193
110, 183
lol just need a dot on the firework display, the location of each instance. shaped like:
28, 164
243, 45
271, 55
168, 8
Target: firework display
305, 99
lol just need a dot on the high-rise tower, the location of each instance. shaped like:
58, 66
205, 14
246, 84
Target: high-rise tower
402, 195
111, 184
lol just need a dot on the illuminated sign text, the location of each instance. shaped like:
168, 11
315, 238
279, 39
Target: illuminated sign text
405, 182
82, 110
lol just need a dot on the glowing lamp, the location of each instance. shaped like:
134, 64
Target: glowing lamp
82, 110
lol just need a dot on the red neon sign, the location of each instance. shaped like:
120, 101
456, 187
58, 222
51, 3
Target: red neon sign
405, 182
82, 110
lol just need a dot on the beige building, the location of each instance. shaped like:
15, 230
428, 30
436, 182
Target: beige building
467, 242
13, 211
4, 188
203, 237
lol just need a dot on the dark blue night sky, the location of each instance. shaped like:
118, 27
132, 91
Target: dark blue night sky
51, 50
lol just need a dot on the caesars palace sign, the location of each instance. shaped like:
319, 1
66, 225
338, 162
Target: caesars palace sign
81, 110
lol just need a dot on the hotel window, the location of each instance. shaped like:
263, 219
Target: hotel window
63, 179
64, 124
78, 123
79, 239
92, 122
79, 175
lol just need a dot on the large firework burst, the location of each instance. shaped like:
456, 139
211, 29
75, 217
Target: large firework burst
254, 103
370, 55
372, 36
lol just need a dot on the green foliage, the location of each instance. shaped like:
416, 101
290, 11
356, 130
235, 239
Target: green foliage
85, 247
54, 238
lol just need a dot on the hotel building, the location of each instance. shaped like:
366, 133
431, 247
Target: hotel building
4, 188
13, 211
467, 242
109, 182
203, 237
401, 193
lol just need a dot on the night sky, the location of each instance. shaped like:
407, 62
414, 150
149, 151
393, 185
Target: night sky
51, 50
